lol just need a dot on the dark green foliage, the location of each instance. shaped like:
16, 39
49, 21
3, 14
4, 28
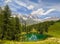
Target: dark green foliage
17, 28
9, 26
1, 22
6, 22
42, 27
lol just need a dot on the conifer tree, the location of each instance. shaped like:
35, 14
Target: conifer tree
17, 28
6, 22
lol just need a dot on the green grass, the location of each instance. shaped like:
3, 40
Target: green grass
47, 41
54, 30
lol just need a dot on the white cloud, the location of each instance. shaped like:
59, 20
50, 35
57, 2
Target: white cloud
57, 7
47, 17
24, 4
20, 3
42, 12
39, 11
30, 7
13, 5
6, 1
13, 9
47, 12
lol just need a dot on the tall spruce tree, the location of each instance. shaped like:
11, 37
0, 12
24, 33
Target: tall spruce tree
17, 28
1, 22
6, 21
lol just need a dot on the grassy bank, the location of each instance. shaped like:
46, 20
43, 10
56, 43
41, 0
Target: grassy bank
54, 30
47, 41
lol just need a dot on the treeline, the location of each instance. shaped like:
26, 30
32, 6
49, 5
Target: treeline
42, 27
11, 28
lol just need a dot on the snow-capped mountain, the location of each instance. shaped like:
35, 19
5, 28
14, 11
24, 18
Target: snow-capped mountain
28, 19
51, 18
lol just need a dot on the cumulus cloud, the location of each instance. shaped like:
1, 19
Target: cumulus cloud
42, 12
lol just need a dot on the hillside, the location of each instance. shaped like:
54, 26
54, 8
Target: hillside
54, 30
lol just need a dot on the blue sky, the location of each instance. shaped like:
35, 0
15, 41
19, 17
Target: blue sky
42, 8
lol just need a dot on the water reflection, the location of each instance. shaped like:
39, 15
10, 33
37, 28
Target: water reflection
33, 37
